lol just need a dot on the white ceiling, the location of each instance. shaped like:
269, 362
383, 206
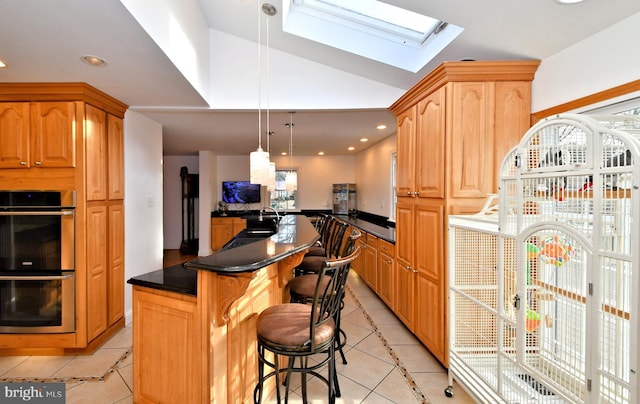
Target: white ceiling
42, 41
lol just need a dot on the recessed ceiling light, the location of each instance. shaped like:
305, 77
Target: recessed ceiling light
321, 153
364, 139
351, 148
284, 153
2, 64
94, 60
569, 1
381, 126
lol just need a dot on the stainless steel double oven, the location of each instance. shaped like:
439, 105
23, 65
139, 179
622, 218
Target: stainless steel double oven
37, 261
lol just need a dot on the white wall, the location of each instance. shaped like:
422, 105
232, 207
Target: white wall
172, 214
182, 32
143, 202
208, 200
373, 177
600, 62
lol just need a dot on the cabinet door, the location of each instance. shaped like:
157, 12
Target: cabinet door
96, 271
96, 148
406, 153
404, 230
53, 134
430, 316
221, 232
370, 266
386, 271
14, 134
404, 298
429, 319
358, 264
471, 133
238, 226
430, 146
115, 148
115, 279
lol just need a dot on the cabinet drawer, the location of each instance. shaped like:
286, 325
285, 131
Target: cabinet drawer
386, 248
372, 240
227, 220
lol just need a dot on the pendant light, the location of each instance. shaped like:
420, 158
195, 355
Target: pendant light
259, 164
270, 11
291, 179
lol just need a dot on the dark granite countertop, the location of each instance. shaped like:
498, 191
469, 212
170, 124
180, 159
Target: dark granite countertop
171, 279
386, 233
295, 234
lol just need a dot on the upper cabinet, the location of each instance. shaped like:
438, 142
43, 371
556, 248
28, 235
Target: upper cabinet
456, 124
37, 134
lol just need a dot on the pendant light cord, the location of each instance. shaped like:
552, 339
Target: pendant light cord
259, 79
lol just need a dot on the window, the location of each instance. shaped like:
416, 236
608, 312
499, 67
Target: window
281, 199
370, 28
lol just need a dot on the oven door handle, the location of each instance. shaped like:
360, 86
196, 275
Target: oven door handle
37, 213
36, 278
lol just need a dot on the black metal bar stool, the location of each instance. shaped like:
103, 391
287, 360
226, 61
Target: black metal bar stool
302, 289
295, 330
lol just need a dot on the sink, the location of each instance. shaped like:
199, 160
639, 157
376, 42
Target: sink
264, 225
249, 236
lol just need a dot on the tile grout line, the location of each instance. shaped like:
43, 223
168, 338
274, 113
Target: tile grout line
405, 373
72, 379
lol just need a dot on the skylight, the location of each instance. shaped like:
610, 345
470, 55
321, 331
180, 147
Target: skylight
371, 29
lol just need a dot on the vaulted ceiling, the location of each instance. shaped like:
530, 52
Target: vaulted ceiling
338, 97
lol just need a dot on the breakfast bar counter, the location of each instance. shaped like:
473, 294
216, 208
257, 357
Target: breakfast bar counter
201, 347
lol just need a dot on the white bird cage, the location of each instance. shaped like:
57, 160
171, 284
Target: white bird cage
544, 296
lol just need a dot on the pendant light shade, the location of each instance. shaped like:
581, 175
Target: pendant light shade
291, 178
259, 166
291, 181
271, 183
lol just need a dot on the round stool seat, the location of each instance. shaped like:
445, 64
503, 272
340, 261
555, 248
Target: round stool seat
311, 264
316, 251
287, 326
303, 287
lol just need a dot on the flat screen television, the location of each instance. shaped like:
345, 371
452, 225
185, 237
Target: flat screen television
240, 192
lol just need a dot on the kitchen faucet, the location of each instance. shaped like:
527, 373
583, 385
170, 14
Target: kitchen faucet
269, 208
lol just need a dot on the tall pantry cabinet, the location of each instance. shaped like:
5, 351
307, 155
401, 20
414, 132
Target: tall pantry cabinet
69, 136
454, 128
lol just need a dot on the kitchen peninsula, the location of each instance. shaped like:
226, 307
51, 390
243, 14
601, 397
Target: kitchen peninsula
194, 324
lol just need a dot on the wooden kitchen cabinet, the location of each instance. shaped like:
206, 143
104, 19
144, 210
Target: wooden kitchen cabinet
37, 134
115, 261
370, 254
105, 267
97, 273
386, 272
358, 264
223, 229
454, 128
76, 132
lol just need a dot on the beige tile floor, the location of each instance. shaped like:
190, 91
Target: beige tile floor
387, 364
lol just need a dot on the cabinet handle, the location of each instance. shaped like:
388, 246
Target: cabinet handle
409, 193
38, 163
416, 193
23, 163
389, 262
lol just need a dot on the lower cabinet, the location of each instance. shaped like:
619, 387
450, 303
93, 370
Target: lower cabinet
223, 229
96, 271
172, 371
105, 267
403, 304
371, 261
386, 272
